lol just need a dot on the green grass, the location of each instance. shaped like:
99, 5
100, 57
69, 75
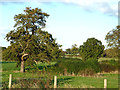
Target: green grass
9, 66
87, 82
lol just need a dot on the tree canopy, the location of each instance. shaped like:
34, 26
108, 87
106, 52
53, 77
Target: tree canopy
28, 41
92, 48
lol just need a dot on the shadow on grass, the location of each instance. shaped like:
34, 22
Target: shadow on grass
41, 67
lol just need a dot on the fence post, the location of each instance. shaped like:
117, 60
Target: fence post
10, 80
105, 83
55, 81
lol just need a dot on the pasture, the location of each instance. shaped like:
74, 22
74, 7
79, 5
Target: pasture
63, 81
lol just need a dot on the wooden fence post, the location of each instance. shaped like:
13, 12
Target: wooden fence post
10, 81
105, 83
55, 81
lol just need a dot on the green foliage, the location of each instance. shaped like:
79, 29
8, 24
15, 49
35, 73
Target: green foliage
109, 65
92, 63
92, 48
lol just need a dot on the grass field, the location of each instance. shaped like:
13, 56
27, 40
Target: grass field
100, 59
63, 81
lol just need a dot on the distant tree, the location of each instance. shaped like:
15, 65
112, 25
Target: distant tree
74, 49
28, 41
68, 51
92, 48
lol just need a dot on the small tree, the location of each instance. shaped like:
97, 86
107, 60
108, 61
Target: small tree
28, 40
92, 48
113, 37
113, 40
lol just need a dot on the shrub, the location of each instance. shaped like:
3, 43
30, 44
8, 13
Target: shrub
77, 66
109, 65
92, 63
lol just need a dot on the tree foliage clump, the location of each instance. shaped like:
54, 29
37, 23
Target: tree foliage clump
113, 37
28, 40
92, 48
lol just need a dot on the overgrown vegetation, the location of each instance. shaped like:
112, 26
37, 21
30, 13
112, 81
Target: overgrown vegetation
71, 66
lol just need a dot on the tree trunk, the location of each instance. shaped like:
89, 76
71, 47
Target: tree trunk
23, 63
22, 66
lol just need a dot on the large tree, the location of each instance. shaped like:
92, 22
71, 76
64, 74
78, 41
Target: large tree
92, 48
28, 40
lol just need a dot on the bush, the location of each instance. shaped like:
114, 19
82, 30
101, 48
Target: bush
76, 66
92, 63
109, 65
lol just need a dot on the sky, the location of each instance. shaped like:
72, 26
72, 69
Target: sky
70, 21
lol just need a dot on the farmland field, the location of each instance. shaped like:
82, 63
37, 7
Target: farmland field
62, 81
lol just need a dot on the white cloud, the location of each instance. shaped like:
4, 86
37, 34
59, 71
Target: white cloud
109, 7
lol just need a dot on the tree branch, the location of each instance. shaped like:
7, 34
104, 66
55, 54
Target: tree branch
22, 58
